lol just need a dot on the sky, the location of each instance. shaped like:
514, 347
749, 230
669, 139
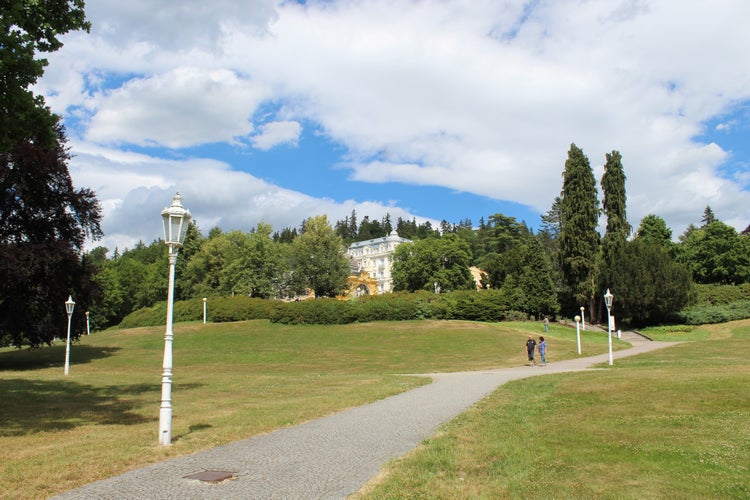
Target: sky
275, 111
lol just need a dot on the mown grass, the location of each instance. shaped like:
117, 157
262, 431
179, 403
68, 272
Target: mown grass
231, 381
674, 423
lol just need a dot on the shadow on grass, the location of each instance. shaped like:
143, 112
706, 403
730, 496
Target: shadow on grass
193, 428
31, 406
49, 357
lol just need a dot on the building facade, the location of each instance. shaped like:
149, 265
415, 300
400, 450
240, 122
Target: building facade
375, 258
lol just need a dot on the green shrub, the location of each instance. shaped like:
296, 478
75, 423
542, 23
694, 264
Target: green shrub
716, 295
313, 312
148, 316
237, 308
706, 314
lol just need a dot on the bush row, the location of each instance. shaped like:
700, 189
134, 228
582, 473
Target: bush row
717, 305
485, 305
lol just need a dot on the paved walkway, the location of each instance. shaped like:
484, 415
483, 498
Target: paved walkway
332, 457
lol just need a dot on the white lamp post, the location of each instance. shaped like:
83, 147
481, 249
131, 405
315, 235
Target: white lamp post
176, 220
578, 333
69, 306
608, 300
583, 320
88, 327
204, 310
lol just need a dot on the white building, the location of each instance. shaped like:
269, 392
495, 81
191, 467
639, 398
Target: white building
375, 256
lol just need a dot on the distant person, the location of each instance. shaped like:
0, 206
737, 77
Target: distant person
543, 350
546, 324
530, 348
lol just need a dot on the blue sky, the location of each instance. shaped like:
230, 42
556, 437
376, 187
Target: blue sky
266, 111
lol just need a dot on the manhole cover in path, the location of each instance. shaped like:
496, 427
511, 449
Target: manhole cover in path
211, 476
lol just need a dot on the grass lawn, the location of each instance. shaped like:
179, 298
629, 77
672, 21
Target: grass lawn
231, 381
674, 423
652, 426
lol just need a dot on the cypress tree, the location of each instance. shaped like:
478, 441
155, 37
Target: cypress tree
579, 239
618, 229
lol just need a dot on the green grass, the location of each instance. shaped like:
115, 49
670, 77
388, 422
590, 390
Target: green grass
674, 423
231, 381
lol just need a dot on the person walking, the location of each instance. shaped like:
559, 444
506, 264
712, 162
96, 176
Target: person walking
543, 350
546, 324
530, 348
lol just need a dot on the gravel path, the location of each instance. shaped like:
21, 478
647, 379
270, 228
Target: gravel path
328, 458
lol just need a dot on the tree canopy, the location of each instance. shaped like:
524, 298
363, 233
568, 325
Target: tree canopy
44, 221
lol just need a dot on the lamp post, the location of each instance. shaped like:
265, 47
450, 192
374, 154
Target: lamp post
204, 310
578, 332
69, 306
176, 220
608, 300
583, 320
88, 327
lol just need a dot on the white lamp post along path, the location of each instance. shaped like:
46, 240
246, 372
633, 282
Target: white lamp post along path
608, 300
204, 310
578, 333
69, 306
88, 326
583, 320
176, 221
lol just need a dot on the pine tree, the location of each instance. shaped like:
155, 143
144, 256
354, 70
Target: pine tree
579, 239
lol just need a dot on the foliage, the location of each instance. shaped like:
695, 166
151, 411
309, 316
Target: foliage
653, 287
318, 259
716, 253
579, 239
617, 229
28, 27
655, 229
43, 219
539, 296
711, 314
714, 295
43, 225
323, 311
397, 306
440, 264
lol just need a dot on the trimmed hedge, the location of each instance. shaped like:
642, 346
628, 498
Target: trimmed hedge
483, 305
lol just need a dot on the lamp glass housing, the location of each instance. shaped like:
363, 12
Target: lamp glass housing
176, 221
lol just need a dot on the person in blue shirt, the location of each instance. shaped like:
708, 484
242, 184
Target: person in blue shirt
543, 350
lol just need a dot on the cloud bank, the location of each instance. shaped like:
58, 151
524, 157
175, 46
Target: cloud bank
482, 97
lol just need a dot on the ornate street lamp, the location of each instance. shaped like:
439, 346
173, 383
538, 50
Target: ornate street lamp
176, 221
608, 300
69, 306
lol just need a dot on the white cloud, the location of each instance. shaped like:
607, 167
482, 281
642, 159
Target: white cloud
275, 133
181, 108
483, 97
134, 188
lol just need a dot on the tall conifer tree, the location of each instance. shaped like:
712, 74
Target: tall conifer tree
579, 239
618, 229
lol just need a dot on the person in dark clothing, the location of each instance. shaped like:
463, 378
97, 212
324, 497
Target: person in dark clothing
530, 348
